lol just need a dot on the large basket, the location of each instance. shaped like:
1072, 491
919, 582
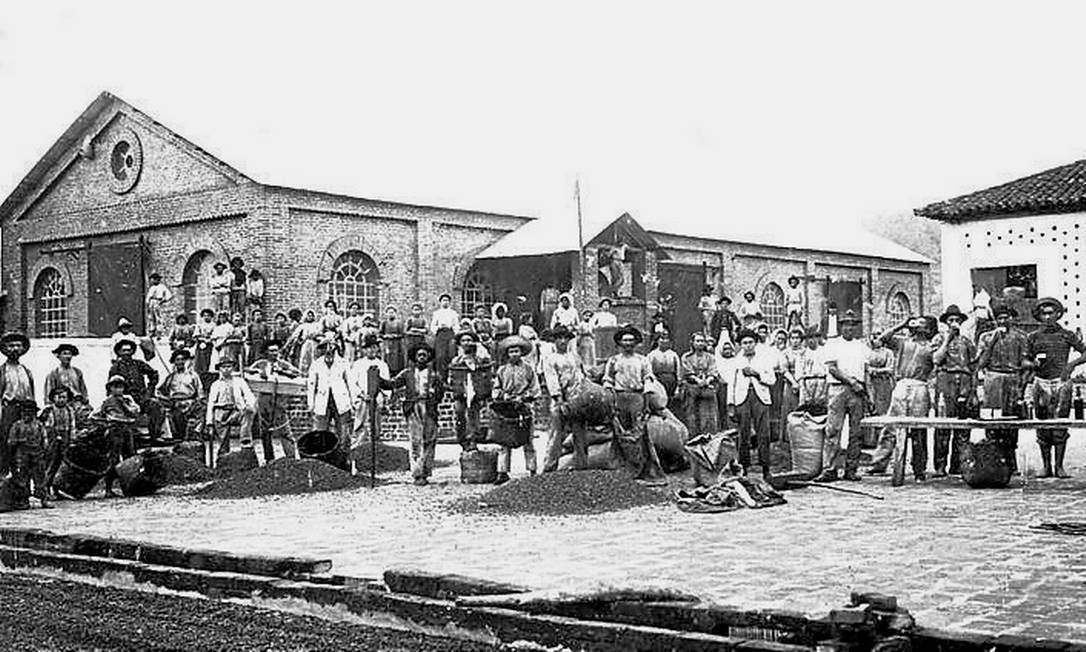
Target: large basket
478, 467
510, 423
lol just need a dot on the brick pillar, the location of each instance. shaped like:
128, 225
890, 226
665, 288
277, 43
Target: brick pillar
426, 289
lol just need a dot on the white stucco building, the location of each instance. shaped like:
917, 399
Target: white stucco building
1020, 240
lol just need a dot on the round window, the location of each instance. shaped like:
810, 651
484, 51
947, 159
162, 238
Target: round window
125, 161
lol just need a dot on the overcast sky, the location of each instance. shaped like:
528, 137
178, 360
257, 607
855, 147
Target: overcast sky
699, 115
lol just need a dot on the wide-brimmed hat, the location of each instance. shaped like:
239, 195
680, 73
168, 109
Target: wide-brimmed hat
225, 361
605, 300
65, 346
724, 299
122, 343
413, 352
124, 321
220, 265
116, 379
850, 317
444, 295
515, 342
180, 353
1004, 309
952, 311
469, 334
1048, 301
628, 330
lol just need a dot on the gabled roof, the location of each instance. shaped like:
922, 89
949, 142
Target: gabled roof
558, 235
66, 148
1059, 190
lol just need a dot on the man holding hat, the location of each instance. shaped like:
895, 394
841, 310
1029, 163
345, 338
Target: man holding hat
1004, 361
142, 380
328, 392
563, 371
628, 374
16, 384
846, 362
1050, 392
230, 402
180, 393
910, 396
954, 358
423, 389
516, 381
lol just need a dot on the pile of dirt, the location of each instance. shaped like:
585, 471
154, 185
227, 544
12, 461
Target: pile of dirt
389, 458
182, 469
561, 493
283, 476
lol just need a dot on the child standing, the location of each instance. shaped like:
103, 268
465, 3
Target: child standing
119, 410
259, 333
26, 441
59, 420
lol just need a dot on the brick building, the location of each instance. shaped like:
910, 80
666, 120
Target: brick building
119, 196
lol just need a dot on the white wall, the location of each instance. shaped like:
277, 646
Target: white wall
94, 359
1055, 243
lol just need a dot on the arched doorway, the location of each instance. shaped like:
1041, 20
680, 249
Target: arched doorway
195, 293
355, 277
50, 304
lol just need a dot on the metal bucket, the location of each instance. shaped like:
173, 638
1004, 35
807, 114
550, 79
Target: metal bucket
323, 445
79, 471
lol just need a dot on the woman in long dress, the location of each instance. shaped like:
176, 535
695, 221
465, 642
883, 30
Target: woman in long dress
307, 335
443, 326
415, 328
586, 339
392, 334
351, 331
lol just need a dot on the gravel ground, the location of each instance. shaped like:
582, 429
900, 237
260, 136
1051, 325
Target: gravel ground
47, 614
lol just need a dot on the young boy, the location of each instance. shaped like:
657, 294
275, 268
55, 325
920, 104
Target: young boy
26, 441
516, 381
59, 419
259, 332
119, 411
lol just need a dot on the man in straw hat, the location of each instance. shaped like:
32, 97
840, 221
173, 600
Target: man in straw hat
1004, 362
179, 394
845, 360
1050, 391
423, 389
16, 384
628, 373
66, 375
142, 380
562, 373
230, 403
910, 396
954, 359
516, 381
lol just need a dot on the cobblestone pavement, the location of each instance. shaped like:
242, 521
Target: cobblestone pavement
956, 557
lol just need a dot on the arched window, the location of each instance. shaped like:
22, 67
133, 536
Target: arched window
897, 307
477, 292
51, 304
355, 278
195, 293
773, 306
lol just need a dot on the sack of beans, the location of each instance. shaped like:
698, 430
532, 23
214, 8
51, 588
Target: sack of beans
806, 432
668, 435
591, 404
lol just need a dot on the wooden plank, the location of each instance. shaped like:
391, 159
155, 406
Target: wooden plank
946, 422
284, 386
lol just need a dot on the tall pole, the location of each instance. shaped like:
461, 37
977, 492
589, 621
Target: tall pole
580, 245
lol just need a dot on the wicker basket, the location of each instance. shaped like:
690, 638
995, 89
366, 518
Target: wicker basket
510, 423
478, 467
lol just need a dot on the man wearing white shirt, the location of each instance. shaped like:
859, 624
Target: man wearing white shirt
329, 395
230, 402
364, 396
846, 360
749, 377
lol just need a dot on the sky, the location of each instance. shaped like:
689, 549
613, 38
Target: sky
803, 117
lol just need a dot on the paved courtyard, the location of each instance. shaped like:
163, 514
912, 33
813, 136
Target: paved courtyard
956, 557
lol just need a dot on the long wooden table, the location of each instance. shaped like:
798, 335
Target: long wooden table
947, 422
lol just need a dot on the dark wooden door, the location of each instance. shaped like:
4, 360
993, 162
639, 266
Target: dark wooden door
680, 288
846, 295
114, 287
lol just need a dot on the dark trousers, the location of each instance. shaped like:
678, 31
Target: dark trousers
27, 466
9, 414
467, 421
951, 387
121, 447
753, 418
53, 458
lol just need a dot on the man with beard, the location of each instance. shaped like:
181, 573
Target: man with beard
910, 397
1004, 361
1050, 392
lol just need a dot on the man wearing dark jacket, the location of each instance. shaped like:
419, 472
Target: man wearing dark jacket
142, 379
423, 389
